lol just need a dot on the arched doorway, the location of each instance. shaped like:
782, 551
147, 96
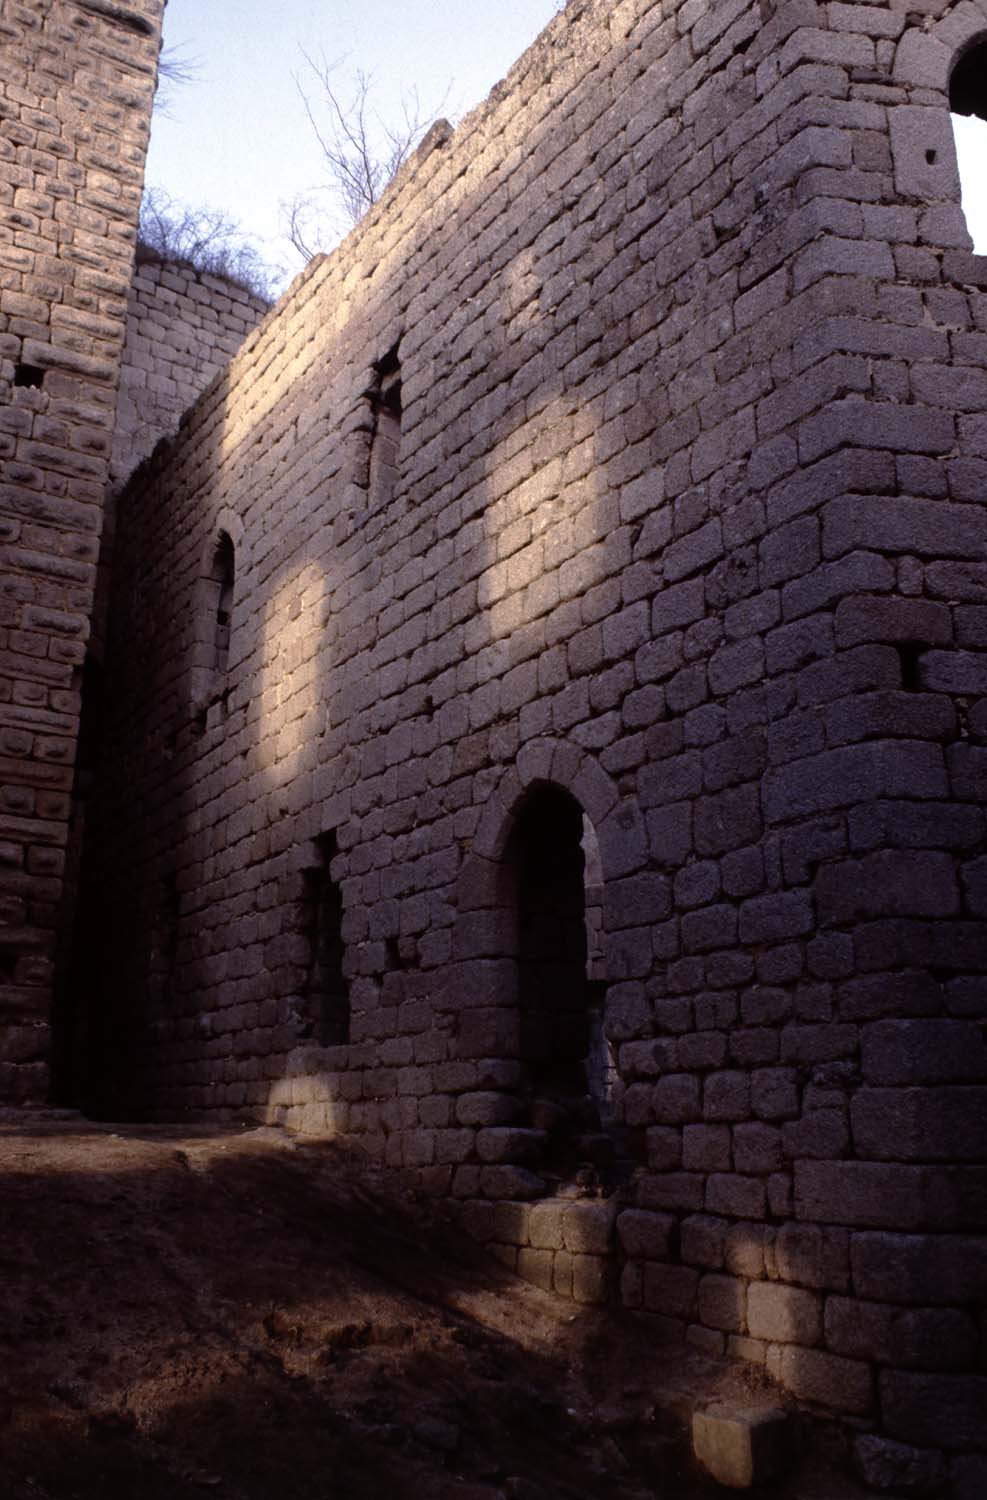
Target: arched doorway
552, 888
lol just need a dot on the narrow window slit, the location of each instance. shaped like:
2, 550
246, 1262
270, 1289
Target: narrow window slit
385, 440
224, 579
326, 989
909, 654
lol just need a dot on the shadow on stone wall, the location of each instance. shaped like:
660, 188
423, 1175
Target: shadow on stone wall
347, 1342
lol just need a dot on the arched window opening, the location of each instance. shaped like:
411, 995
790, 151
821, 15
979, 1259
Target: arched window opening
327, 1000
385, 439
968, 108
567, 1065
213, 620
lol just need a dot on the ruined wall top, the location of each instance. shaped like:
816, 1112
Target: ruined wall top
183, 326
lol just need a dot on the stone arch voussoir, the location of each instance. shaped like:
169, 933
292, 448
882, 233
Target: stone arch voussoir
226, 520
925, 59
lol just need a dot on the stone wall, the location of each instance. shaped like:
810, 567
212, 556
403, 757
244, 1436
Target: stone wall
183, 326
76, 83
629, 458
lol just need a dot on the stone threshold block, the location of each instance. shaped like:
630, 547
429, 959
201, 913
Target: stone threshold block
742, 1446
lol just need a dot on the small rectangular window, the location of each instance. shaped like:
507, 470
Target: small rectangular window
30, 376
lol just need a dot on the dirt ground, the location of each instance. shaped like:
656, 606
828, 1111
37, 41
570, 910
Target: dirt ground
191, 1312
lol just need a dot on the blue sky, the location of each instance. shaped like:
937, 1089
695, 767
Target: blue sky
971, 149
237, 138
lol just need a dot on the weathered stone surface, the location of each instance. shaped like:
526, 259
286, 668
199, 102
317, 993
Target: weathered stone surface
783, 1314
942, 1411
741, 1447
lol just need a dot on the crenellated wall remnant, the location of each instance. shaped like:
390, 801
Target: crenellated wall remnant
183, 326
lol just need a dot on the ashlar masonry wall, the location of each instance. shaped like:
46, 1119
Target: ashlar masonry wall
183, 326
610, 502
76, 84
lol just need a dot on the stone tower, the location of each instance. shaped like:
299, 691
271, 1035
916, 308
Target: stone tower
77, 80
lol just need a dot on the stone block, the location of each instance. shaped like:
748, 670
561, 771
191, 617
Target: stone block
947, 1123
920, 1268
740, 1197
726, 1096
934, 1338
670, 1290
774, 1093
742, 1447
643, 1235
505, 1182
756, 1148
870, 1195
857, 1329
936, 1411
843, 1385
924, 154
587, 1228
744, 1250
590, 1279
487, 1109
811, 1255
886, 1465
545, 1224
722, 1302
536, 1266
922, 1051
703, 1238
706, 1148
783, 1314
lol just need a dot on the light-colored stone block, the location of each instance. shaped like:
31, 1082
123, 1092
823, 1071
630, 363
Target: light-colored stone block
741, 1446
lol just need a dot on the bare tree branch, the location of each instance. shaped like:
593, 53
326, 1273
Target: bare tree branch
175, 70
361, 151
207, 239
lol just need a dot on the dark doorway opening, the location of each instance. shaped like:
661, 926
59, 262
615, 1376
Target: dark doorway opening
566, 1066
